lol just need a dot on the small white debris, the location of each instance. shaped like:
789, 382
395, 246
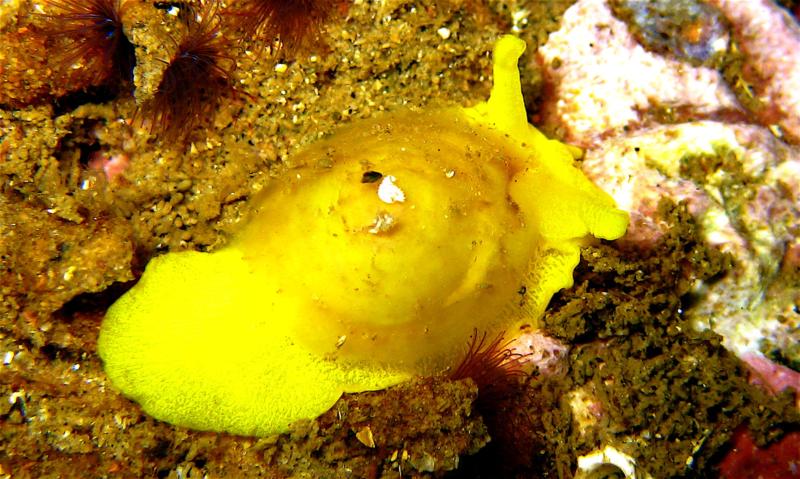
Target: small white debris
13, 397
281, 67
174, 11
340, 341
75, 367
444, 32
390, 193
7, 358
519, 20
69, 273
608, 456
450, 173
383, 222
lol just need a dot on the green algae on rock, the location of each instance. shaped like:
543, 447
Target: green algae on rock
342, 285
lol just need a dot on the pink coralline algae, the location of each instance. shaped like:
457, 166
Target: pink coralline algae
111, 165
537, 351
743, 187
774, 377
604, 81
770, 39
668, 161
656, 126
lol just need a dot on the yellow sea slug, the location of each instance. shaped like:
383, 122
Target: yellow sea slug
370, 261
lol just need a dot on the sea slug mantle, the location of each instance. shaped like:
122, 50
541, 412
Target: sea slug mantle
370, 261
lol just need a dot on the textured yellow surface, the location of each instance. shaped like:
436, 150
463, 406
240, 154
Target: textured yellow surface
370, 261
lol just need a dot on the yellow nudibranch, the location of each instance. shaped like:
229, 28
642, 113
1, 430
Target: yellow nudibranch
371, 261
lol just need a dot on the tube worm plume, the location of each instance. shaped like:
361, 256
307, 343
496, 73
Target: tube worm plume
88, 36
494, 368
196, 79
294, 22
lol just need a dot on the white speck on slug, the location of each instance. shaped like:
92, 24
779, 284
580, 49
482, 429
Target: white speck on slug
383, 222
390, 193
